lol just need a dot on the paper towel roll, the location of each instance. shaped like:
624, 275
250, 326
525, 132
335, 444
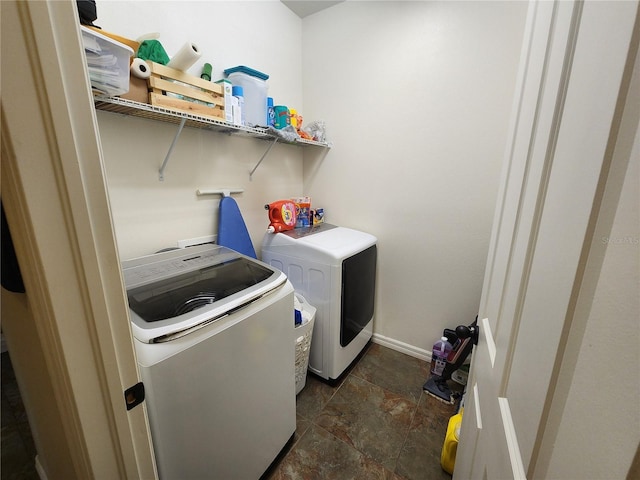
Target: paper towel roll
148, 36
186, 56
140, 68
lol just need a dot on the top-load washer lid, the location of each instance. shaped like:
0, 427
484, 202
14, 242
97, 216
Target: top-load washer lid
174, 293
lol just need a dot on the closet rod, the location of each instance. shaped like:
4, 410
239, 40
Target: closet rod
225, 192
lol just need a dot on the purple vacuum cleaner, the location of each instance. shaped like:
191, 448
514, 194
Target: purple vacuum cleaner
463, 339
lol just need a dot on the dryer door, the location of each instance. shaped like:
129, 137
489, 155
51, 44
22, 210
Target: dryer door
358, 293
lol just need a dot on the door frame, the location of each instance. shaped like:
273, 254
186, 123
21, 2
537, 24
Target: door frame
55, 196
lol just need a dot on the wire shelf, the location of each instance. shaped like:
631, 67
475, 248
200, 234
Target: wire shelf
129, 107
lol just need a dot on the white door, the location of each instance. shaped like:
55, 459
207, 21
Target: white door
570, 81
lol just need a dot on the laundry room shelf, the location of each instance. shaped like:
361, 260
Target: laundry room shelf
184, 119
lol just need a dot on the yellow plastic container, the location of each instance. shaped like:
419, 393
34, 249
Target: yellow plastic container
450, 447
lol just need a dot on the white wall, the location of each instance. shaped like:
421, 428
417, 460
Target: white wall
149, 214
417, 97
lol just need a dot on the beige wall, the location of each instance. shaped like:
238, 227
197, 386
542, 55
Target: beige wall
416, 97
149, 214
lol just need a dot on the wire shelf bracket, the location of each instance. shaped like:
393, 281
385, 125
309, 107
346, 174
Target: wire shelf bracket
264, 155
173, 144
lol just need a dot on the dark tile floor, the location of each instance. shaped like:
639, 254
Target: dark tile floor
18, 450
375, 424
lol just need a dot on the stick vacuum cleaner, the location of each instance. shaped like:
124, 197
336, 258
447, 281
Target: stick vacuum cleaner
463, 339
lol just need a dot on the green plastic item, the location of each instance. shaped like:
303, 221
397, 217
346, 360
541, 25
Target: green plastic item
206, 71
153, 51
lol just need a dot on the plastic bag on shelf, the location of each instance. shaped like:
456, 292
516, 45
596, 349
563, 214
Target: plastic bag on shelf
317, 130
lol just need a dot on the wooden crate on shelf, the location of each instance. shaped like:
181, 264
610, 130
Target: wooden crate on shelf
177, 90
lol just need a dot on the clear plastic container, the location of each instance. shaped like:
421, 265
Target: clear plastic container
255, 97
107, 62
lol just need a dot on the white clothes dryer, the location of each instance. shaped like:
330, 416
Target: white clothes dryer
334, 268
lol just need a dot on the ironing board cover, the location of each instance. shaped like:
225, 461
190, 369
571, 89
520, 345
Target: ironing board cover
232, 231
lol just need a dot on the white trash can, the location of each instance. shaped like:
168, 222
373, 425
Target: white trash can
303, 334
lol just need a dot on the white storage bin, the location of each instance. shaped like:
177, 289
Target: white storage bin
107, 61
303, 335
255, 95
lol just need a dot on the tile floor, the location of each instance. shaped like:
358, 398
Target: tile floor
376, 423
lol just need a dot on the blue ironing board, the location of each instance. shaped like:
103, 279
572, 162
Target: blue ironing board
232, 231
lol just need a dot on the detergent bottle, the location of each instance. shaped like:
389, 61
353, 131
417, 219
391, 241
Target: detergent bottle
450, 447
282, 215
441, 350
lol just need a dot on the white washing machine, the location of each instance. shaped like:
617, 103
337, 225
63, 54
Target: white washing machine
334, 268
214, 337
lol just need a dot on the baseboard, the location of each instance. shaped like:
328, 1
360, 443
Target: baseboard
39, 470
401, 347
